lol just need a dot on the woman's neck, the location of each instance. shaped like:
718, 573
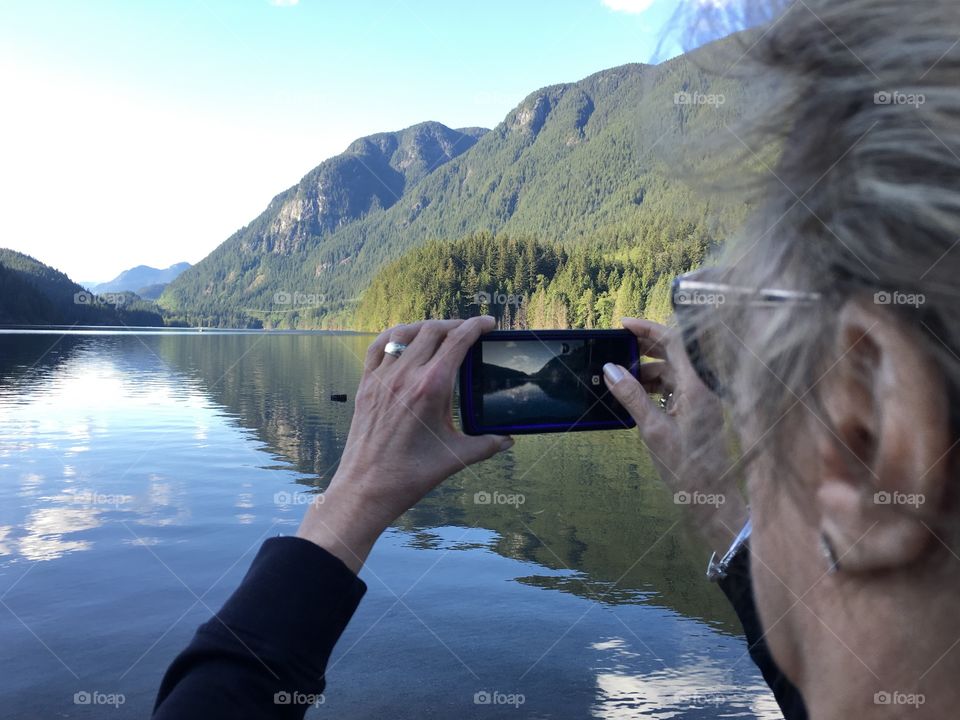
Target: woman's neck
886, 653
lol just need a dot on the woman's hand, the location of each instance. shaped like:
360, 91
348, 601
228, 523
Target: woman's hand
686, 440
402, 441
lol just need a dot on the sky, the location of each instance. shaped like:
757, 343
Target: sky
528, 357
148, 132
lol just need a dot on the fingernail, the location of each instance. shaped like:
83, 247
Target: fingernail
506, 443
613, 373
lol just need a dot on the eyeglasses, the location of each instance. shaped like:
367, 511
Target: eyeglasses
698, 295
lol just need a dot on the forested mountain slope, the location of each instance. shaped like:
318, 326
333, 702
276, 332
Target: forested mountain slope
598, 163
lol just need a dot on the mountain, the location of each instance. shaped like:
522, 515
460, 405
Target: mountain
372, 174
368, 178
497, 377
592, 162
142, 277
152, 292
32, 293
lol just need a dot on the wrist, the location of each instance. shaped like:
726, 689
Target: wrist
342, 526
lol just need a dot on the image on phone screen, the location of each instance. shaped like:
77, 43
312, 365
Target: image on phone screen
545, 382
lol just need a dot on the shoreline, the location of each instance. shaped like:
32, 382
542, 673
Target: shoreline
158, 330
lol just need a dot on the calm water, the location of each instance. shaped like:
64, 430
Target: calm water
528, 403
139, 474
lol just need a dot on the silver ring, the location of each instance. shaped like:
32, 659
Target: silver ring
394, 348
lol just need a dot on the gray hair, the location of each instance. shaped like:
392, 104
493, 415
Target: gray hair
864, 199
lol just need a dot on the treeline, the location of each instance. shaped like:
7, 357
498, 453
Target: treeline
526, 283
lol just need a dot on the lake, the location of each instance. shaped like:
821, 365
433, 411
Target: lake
139, 473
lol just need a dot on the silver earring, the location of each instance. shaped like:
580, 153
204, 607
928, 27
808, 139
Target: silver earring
829, 553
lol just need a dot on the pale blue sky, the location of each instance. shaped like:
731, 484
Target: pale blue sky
147, 132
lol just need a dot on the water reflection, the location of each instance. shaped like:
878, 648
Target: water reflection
44, 530
528, 403
590, 504
697, 686
279, 387
60, 402
4, 531
133, 468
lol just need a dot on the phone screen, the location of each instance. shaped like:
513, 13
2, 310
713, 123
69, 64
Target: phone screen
544, 381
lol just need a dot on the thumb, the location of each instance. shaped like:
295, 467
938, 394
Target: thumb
474, 448
630, 393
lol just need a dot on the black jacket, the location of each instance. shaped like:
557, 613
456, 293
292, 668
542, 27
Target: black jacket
264, 654
738, 587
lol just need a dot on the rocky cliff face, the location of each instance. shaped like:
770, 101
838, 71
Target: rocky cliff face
371, 174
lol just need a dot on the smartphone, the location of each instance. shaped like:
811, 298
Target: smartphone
539, 381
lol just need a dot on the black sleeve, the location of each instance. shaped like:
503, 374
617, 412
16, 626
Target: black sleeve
265, 653
738, 587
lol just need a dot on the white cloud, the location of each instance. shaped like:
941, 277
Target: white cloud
634, 7
284, 3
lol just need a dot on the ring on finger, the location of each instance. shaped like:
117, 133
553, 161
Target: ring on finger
394, 348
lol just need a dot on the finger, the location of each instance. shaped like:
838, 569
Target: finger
374, 354
453, 350
652, 337
685, 373
476, 448
657, 377
630, 393
431, 334
403, 334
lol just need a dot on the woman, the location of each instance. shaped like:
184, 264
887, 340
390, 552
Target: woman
842, 390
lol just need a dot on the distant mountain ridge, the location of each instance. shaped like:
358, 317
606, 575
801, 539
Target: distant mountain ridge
32, 293
592, 160
142, 277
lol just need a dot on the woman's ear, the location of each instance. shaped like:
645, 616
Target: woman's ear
883, 449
